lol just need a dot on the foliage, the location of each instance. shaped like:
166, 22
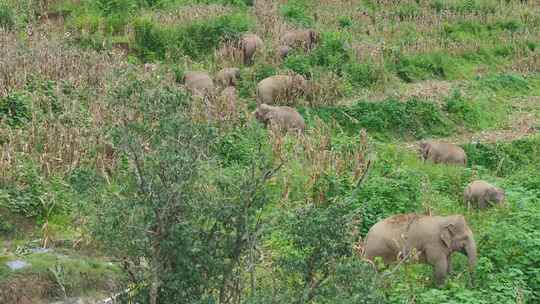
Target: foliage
504, 158
295, 11
462, 110
7, 16
412, 118
505, 82
15, 109
195, 40
385, 195
32, 195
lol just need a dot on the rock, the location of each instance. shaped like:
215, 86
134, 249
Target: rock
17, 264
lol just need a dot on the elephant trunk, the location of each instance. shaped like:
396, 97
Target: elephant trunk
470, 248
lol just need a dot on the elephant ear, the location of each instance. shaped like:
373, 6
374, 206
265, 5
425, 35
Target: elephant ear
447, 234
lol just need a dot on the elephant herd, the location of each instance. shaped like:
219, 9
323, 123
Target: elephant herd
432, 239
422, 238
270, 91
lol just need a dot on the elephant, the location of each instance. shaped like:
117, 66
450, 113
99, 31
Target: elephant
276, 88
283, 51
282, 117
426, 239
483, 194
440, 152
228, 77
198, 83
307, 39
249, 45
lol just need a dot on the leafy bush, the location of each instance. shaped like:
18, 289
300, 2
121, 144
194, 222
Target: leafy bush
7, 16
331, 52
363, 74
295, 11
32, 195
505, 82
15, 109
195, 40
504, 158
509, 243
386, 195
461, 110
413, 118
422, 67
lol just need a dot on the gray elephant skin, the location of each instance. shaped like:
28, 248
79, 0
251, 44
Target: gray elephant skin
482, 194
274, 89
228, 77
198, 83
306, 39
443, 153
433, 238
250, 44
283, 118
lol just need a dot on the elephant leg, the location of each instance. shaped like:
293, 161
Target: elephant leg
449, 263
439, 261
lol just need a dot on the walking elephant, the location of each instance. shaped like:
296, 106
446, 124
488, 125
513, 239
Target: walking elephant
428, 239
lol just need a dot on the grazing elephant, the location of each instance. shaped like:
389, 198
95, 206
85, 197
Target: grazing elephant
429, 239
275, 88
228, 77
445, 153
284, 118
249, 44
307, 39
483, 194
283, 51
198, 83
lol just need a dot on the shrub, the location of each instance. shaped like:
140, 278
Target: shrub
7, 16
295, 11
15, 109
363, 74
385, 195
504, 158
509, 82
196, 40
461, 110
331, 52
345, 21
422, 67
299, 63
391, 117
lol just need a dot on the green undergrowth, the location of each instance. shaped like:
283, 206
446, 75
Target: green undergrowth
505, 158
76, 275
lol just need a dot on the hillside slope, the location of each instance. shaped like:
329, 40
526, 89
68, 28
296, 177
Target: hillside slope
114, 177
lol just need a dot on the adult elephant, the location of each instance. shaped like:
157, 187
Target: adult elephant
441, 152
275, 89
428, 239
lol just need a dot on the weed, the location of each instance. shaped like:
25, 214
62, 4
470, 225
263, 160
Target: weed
7, 16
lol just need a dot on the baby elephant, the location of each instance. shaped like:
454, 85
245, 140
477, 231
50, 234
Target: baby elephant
276, 88
198, 83
445, 153
283, 51
427, 239
482, 194
228, 77
284, 118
